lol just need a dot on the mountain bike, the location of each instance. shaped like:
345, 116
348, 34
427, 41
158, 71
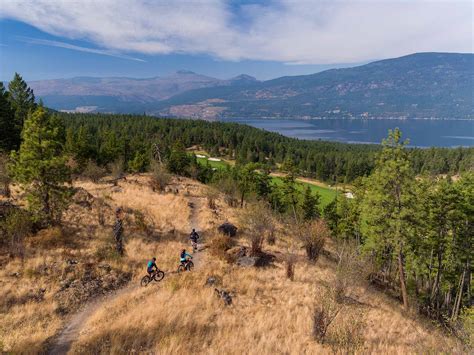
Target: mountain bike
186, 266
194, 245
156, 275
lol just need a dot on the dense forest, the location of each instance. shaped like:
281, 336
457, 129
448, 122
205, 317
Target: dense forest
105, 138
415, 227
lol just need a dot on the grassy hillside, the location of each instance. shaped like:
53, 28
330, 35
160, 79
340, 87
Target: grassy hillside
66, 268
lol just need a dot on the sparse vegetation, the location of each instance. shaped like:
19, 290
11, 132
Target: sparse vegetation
93, 172
313, 235
258, 221
160, 178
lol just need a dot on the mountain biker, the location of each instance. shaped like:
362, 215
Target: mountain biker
184, 256
194, 236
151, 266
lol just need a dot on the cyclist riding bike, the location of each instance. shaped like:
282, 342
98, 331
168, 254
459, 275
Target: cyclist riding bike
184, 257
151, 266
194, 236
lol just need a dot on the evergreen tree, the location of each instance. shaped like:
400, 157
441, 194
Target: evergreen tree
389, 205
22, 101
7, 117
40, 165
178, 161
246, 180
310, 204
289, 189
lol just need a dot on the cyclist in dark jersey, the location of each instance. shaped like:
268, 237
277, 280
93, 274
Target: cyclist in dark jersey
194, 236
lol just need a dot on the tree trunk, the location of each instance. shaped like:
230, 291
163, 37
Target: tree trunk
403, 286
457, 300
435, 290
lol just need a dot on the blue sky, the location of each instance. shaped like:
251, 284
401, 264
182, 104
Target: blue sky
44, 39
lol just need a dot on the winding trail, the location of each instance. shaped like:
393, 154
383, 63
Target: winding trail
63, 341
194, 223
75, 324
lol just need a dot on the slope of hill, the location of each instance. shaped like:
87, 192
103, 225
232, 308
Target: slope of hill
423, 85
71, 268
122, 94
438, 85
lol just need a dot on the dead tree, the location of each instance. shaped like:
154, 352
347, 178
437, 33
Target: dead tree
118, 231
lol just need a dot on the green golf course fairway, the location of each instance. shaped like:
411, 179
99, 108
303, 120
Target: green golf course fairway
327, 194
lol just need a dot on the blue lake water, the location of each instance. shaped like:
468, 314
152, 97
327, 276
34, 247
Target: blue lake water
421, 133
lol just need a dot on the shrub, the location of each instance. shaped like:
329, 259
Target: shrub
100, 207
49, 238
348, 336
271, 237
211, 196
14, 228
313, 235
324, 314
228, 187
117, 168
5, 179
141, 223
352, 269
290, 267
93, 172
220, 244
160, 178
257, 220
107, 252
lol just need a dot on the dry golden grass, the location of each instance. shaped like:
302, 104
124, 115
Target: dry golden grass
270, 313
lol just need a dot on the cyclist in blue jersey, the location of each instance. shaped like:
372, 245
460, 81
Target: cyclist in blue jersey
184, 256
151, 266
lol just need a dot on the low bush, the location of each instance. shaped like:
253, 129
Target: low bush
347, 336
313, 236
14, 228
93, 172
160, 178
324, 314
290, 267
49, 238
219, 245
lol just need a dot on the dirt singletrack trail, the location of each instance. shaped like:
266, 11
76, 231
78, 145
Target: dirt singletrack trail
74, 326
195, 204
63, 342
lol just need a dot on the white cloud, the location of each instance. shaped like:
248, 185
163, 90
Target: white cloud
292, 31
46, 42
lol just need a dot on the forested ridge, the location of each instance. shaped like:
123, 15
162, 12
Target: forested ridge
108, 137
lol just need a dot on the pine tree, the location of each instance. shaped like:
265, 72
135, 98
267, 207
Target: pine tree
40, 165
246, 180
388, 206
22, 101
7, 116
310, 204
178, 160
289, 189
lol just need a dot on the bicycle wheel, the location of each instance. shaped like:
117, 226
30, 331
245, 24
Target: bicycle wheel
145, 281
159, 275
181, 268
190, 266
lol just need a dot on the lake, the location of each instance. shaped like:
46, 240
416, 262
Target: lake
421, 133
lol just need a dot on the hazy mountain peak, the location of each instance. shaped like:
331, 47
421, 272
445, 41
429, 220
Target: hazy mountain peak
244, 77
184, 71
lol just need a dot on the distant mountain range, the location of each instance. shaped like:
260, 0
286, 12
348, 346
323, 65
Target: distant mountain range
422, 85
